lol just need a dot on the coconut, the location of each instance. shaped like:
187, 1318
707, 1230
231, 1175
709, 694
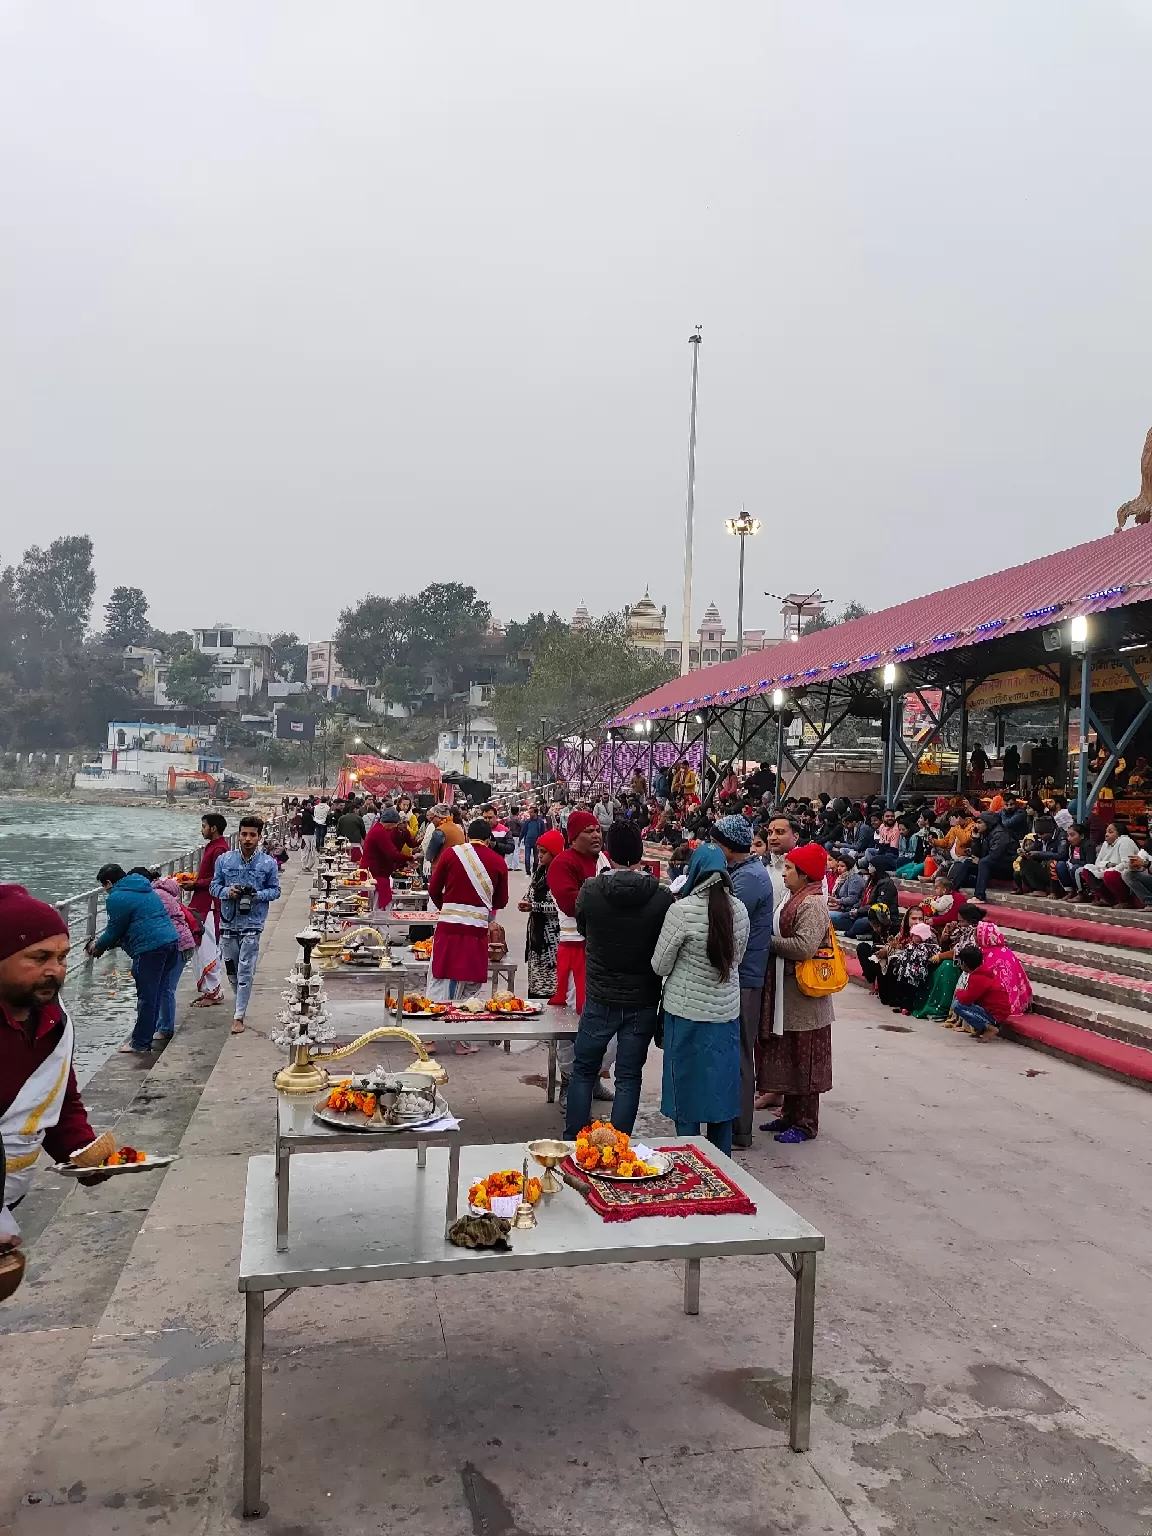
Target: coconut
602, 1136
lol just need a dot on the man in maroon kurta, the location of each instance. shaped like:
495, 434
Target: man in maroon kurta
386, 849
207, 908
35, 1039
468, 884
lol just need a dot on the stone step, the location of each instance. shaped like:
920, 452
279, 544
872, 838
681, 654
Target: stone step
1124, 928
1117, 1020
1136, 963
1090, 980
1121, 917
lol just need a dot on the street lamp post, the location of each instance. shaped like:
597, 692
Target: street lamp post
741, 527
686, 615
890, 744
519, 733
778, 706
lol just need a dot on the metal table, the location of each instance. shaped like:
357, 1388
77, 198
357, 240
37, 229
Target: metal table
366, 1219
298, 1130
351, 1017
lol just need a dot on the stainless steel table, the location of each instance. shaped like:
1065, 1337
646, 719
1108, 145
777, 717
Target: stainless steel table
351, 1017
298, 1130
364, 1219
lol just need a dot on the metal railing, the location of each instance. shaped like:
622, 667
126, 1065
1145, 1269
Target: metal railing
82, 912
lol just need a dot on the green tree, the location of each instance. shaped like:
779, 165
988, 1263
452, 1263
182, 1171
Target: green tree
525, 637
126, 617
577, 679
189, 679
289, 657
392, 643
53, 589
851, 610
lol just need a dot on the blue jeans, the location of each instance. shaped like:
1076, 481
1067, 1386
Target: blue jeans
166, 1023
239, 952
633, 1028
854, 927
529, 856
972, 1013
152, 970
719, 1133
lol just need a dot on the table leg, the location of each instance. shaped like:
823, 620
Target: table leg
507, 1047
692, 1286
421, 1154
552, 1071
452, 1207
253, 1400
283, 1180
800, 1423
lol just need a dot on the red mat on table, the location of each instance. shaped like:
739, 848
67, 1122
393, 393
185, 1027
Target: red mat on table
694, 1186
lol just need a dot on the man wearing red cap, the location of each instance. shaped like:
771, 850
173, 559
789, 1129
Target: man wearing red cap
566, 874
40, 1104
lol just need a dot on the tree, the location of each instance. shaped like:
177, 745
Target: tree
189, 679
289, 657
126, 617
392, 643
53, 589
851, 610
578, 678
526, 637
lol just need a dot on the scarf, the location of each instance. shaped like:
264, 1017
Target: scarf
784, 926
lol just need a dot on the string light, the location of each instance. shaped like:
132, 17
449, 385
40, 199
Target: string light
986, 627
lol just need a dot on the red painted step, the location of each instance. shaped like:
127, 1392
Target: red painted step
1128, 1061
1056, 924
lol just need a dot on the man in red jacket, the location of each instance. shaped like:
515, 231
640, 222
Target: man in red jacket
40, 1104
386, 849
980, 1004
207, 908
566, 874
469, 883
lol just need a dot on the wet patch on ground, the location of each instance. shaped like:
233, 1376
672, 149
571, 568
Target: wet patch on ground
1007, 1475
488, 1507
764, 1397
1000, 1386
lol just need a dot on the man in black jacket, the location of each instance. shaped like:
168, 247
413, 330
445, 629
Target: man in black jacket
620, 913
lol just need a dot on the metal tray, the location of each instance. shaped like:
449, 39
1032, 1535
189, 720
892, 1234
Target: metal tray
664, 1160
357, 1120
70, 1170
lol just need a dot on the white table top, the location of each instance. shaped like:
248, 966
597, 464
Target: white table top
358, 1218
350, 1017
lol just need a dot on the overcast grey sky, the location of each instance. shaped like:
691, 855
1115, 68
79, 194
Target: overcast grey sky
353, 296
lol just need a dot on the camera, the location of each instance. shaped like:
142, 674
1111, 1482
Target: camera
245, 899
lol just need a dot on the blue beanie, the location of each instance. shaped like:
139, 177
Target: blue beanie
734, 832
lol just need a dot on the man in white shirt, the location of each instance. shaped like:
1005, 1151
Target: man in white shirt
320, 813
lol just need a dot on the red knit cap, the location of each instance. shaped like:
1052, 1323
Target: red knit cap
810, 860
24, 921
551, 842
579, 821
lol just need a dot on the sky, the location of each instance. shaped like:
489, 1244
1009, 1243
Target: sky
302, 301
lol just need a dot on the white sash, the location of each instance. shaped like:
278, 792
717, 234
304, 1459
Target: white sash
466, 914
35, 1109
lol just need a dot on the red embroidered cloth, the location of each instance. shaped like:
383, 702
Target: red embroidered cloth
694, 1186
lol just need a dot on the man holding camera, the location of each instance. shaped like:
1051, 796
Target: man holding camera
244, 881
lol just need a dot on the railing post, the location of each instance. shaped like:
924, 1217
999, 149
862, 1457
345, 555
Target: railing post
93, 915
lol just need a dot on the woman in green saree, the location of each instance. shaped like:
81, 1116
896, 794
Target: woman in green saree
946, 972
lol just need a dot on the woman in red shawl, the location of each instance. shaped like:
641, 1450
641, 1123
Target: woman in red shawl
795, 1029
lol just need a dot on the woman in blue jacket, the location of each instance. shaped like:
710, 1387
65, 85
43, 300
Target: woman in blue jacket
139, 925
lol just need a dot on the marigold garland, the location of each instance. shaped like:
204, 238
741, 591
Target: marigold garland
502, 1186
620, 1158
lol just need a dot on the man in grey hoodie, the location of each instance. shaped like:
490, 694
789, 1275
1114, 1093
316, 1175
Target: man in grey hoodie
620, 913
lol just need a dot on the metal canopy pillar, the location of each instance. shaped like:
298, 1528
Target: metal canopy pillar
1085, 712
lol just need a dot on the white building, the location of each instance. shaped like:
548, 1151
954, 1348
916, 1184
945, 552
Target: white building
139, 754
241, 660
475, 751
325, 673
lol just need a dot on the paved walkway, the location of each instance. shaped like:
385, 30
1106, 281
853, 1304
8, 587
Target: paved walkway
983, 1328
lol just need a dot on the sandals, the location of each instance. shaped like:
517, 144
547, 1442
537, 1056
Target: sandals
773, 1126
793, 1136
237, 1026
128, 1049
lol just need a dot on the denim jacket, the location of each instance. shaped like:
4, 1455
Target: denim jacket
261, 872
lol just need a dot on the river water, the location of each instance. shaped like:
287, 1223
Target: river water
55, 850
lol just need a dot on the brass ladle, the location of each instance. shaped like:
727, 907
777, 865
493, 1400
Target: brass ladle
304, 1074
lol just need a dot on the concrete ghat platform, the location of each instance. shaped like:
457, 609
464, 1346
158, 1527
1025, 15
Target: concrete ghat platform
969, 1195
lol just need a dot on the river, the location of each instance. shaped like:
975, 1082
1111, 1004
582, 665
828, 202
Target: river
55, 850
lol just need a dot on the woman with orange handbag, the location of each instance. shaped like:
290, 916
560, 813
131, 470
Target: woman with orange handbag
805, 969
